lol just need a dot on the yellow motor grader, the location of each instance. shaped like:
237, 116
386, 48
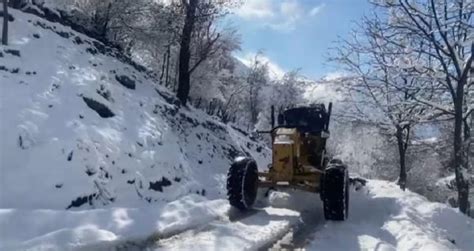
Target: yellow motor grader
299, 161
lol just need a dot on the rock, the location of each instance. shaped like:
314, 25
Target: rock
126, 81
79, 201
69, 156
78, 40
51, 15
100, 47
105, 93
32, 10
100, 108
13, 52
63, 34
92, 51
158, 185
171, 99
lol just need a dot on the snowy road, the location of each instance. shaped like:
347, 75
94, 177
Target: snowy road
286, 221
382, 217
251, 232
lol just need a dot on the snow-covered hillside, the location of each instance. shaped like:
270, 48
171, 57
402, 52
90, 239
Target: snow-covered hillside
81, 128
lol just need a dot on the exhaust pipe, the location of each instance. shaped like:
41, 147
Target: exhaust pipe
329, 115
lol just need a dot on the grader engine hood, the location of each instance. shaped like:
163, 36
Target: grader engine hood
285, 150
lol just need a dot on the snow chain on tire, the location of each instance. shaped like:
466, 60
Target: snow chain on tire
242, 183
335, 191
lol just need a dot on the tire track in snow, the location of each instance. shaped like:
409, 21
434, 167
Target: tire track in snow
289, 221
253, 230
311, 218
300, 234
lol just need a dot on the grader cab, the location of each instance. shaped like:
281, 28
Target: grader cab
299, 161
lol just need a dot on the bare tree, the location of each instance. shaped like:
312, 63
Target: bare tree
5, 23
446, 31
381, 84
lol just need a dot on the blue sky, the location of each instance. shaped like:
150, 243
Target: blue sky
296, 33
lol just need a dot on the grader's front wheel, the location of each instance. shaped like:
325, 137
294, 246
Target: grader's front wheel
242, 183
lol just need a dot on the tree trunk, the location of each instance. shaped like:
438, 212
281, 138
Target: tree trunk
402, 147
168, 57
185, 53
5, 23
163, 65
462, 184
253, 96
467, 141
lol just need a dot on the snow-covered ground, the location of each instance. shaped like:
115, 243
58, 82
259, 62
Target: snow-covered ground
42, 229
381, 218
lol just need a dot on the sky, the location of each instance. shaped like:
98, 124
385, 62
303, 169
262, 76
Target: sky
295, 33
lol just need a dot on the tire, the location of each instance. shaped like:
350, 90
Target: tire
242, 183
335, 192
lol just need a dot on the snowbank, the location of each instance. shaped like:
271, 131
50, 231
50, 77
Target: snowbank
103, 228
192, 222
382, 217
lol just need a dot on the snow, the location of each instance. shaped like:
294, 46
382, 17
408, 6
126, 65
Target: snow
58, 153
248, 233
191, 221
383, 217
153, 176
64, 230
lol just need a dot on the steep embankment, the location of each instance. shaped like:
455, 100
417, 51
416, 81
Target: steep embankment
82, 127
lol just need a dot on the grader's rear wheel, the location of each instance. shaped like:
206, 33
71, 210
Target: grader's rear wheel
335, 191
242, 183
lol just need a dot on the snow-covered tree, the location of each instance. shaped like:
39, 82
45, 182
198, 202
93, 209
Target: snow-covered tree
215, 77
198, 30
108, 18
381, 84
257, 78
287, 91
445, 32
